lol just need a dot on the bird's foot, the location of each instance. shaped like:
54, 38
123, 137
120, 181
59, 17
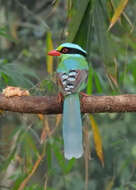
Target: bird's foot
84, 94
60, 97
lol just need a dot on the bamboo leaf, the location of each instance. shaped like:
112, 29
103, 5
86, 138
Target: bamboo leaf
26, 180
65, 166
105, 43
90, 81
49, 46
49, 155
29, 144
77, 14
87, 154
119, 10
97, 139
41, 117
110, 184
97, 83
46, 130
58, 119
4, 33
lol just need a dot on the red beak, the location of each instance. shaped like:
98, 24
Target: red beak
54, 53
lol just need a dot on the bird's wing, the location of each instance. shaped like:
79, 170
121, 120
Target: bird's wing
73, 81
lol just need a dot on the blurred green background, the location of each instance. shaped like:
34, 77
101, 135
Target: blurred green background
31, 146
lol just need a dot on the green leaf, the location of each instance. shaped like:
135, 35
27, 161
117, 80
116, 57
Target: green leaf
48, 155
90, 81
49, 47
5, 164
5, 77
105, 43
16, 75
119, 10
29, 143
18, 181
77, 14
65, 165
98, 83
4, 33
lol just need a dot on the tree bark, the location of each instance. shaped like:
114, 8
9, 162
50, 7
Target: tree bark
51, 105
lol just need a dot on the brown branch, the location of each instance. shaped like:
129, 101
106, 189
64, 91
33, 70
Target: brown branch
50, 105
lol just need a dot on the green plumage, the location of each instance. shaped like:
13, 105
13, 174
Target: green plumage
72, 74
68, 62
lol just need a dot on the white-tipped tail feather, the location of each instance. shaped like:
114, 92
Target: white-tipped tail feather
72, 127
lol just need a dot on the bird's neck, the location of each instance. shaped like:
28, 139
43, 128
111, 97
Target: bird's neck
72, 56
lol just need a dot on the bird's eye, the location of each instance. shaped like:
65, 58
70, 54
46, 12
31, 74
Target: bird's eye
64, 50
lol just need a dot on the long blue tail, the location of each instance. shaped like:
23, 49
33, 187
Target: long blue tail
72, 127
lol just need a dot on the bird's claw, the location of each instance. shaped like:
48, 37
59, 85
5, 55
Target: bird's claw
84, 94
60, 97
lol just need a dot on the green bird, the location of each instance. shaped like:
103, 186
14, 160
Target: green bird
72, 74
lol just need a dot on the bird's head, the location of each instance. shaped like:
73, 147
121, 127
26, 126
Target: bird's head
67, 49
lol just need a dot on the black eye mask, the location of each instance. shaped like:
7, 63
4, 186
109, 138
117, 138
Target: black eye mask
74, 51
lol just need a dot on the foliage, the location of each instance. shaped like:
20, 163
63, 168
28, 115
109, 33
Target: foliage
15, 75
106, 28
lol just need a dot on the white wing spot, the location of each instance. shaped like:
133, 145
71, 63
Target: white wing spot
64, 82
70, 86
67, 88
71, 79
64, 76
68, 93
72, 73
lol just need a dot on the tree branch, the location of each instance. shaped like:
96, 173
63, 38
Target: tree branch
50, 104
